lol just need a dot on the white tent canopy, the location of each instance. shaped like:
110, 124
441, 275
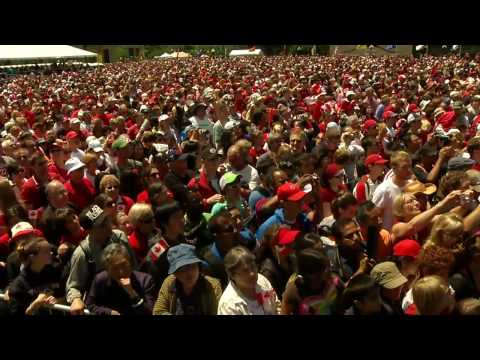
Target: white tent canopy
256, 52
31, 52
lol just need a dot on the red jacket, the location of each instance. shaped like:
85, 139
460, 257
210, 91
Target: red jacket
139, 245
204, 186
81, 195
31, 194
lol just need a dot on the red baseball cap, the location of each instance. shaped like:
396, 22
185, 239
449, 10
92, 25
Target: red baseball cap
388, 114
370, 123
407, 247
290, 192
287, 236
71, 135
375, 159
413, 108
332, 170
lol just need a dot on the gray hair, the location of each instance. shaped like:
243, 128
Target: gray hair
113, 250
237, 256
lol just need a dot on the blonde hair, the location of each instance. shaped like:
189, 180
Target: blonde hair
399, 156
139, 211
108, 179
398, 204
429, 294
89, 157
446, 222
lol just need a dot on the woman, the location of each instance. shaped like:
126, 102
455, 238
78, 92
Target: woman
433, 296
186, 291
16, 174
38, 284
333, 184
314, 290
110, 185
412, 220
447, 232
248, 292
144, 233
119, 290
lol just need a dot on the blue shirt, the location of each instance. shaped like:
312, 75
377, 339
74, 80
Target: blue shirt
379, 112
302, 223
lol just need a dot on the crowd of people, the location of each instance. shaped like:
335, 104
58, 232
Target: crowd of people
295, 185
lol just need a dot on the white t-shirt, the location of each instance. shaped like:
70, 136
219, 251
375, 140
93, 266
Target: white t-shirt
250, 176
233, 302
383, 198
204, 123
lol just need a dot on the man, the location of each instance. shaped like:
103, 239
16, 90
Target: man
73, 141
379, 111
86, 260
200, 119
238, 162
387, 275
367, 185
473, 149
460, 163
57, 197
289, 213
56, 167
223, 230
33, 190
274, 141
81, 191
392, 186
177, 178
298, 141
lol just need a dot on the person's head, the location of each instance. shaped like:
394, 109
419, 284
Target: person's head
290, 197
363, 293
334, 176
401, 165
15, 214
170, 219
57, 195
158, 194
73, 140
298, 141
39, 164
387, 275
306, 164
178, 163
406, 207
121, 147
473, 148
241, 267
110, 185
332, 138
367, 215
433, 296
224, 231
90, 161
447, 230
210, 160
75, 169
370, 128
344, 206
435, 260
313, 269
375, 164
117, 261
184, 265
349, 239
97, 222
279, 177
274, 141
35, 253
142, 218
67, 220
230, 186
58, 153
8, 197
235, 158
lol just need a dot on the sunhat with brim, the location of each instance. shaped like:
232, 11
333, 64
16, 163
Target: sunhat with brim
417, 187
387, 275
181, 255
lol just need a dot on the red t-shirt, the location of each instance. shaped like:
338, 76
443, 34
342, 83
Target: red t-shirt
328, 195
81, 194
143, 197
31, 194
139, 245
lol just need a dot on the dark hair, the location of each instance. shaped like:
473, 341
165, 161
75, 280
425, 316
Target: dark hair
342, 202
154, 188
16, 211
164, 212
358, 288
362, 210
61, 218
29, 247
101, 200
309, 262
215, 221
257, 117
